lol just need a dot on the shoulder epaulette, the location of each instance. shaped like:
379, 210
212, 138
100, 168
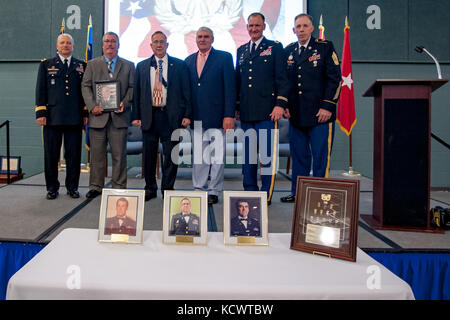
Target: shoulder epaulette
291, 44
42, 60
276, 41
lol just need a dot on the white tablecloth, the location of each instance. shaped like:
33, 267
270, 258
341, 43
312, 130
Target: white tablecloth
154, 270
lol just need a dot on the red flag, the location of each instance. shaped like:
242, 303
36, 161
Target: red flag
346, 105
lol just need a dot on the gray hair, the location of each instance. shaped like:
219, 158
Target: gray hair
206, 29
111, 33
304, 15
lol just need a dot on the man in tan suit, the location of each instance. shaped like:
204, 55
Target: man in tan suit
105, 126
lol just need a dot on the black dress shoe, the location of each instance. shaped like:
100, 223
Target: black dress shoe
289, 198
93, 193
149, 195
73, 194
52, 195
212, 199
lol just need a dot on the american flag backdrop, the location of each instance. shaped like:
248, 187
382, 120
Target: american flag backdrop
135, 22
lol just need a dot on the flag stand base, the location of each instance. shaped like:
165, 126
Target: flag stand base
351, 173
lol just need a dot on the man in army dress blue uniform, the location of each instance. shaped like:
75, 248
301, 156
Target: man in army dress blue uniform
60, 109
185, 223
314, 76
262, 89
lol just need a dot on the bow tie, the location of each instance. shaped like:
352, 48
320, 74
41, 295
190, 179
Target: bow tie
241, 218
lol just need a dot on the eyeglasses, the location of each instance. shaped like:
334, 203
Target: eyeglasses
159, 41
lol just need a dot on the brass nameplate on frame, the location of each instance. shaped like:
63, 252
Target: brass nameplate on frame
325, 236
184, 239
115, 237
245, 240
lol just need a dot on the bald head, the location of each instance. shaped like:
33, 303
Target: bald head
65, 45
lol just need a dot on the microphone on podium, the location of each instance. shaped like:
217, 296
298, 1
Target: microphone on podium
421, 49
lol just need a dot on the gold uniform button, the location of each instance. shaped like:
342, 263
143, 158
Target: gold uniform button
299, 75
67, 87
198, 84
250, 70
249, 78
300, 92
299, 68
67, 93
67, 81
251, 62
67, 75
299, 84
249, 85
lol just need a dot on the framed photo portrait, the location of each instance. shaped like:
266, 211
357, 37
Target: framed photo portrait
245, 220
185, 218
121, 216
325, 219
108, 95
14, 164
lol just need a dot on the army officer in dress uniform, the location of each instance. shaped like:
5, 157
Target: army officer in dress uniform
61, 111
185, 223
262, 90
315, 77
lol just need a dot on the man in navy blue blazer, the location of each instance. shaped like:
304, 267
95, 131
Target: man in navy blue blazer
161, 104
213, 91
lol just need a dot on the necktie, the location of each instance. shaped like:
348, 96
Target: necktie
66, 67
110, 71
253, 48
157, 90
302, 48
201, 63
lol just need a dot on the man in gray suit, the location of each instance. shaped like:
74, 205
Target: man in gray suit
105, 126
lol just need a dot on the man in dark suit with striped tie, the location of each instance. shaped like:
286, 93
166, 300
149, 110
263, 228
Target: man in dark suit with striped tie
162, 104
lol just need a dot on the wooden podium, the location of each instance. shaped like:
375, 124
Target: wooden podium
401, 154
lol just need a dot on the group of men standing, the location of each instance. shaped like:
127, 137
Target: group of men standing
300, 82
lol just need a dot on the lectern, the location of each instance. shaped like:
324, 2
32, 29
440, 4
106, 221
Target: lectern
401, 153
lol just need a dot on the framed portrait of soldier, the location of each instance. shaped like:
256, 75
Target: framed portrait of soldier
325, 220
245, 220
108, 95
185, 218
121, 216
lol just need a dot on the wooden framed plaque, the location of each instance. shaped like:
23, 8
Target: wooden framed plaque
325, 219
107, 95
